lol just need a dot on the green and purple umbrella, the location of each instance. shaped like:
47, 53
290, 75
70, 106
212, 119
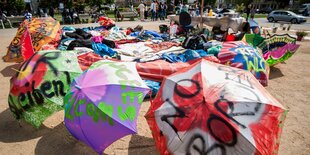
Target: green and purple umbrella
103, 103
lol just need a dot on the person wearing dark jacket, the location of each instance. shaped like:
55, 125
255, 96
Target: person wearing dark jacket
248, 11
51, 12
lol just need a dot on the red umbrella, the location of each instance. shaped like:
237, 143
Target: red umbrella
212, 108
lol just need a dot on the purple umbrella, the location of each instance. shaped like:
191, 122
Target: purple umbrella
103, 103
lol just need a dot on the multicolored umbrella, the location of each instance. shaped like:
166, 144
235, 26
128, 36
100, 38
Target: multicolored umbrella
103, 103
38, 88
210, 108
278, 48
42, 31
241, 55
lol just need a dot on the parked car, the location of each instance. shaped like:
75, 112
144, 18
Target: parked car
304, 9
264, 10
287, 16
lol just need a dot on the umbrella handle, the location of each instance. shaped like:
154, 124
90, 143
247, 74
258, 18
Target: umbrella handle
151, 99
16, 70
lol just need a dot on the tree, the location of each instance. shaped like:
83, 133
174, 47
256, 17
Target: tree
210, 2
109, 1
95, 2
17, 5
304, 1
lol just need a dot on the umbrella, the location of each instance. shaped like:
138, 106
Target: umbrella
241, 55
253, 39
281, 54
42, 31
278, 48
210, 108
38, 88
103, 103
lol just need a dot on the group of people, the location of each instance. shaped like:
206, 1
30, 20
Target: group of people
70, 16
158, 10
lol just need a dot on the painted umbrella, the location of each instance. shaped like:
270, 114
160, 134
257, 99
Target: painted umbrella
253, 39
42, 31
278, 48
41, 82
210, 108
103, 103
241, 55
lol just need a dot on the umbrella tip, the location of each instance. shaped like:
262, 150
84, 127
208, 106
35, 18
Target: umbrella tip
77, 87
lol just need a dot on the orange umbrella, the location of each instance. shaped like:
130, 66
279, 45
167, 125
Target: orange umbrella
42, 31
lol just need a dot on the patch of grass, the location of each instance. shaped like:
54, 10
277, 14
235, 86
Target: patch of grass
256, 15
58, 17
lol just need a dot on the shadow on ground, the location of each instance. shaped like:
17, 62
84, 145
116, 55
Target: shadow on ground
140, 145
59, 141
12, 131
8, 71
275, 73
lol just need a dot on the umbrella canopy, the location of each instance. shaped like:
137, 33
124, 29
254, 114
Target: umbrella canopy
38, 88
278, 48
210, 108
253, 39
103, 103
42, 31
241, 55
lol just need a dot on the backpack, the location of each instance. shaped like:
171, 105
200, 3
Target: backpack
194, 42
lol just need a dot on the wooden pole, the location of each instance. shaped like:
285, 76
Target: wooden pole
201, 13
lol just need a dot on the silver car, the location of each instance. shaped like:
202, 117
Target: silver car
287, 16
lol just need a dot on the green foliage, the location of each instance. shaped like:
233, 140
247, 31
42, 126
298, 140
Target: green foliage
240, 7
109, 1
304, 1
209, 2
95, 2
16, 4
245, 2
301, 33
80, 4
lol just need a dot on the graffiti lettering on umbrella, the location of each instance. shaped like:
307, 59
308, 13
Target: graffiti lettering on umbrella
119, 72
130, 111
128, 96
30, 86
103, 111
250, 55
232, 74
214, 119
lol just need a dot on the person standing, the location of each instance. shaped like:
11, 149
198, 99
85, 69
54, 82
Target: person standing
153, 10
157, 9
248, 10
142, 9
165, 10
4, 19
146, 11
160, 11
252, 13
51, 12
116, 13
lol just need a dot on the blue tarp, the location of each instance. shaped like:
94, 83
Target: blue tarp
153, 85
184, 57
102, 49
